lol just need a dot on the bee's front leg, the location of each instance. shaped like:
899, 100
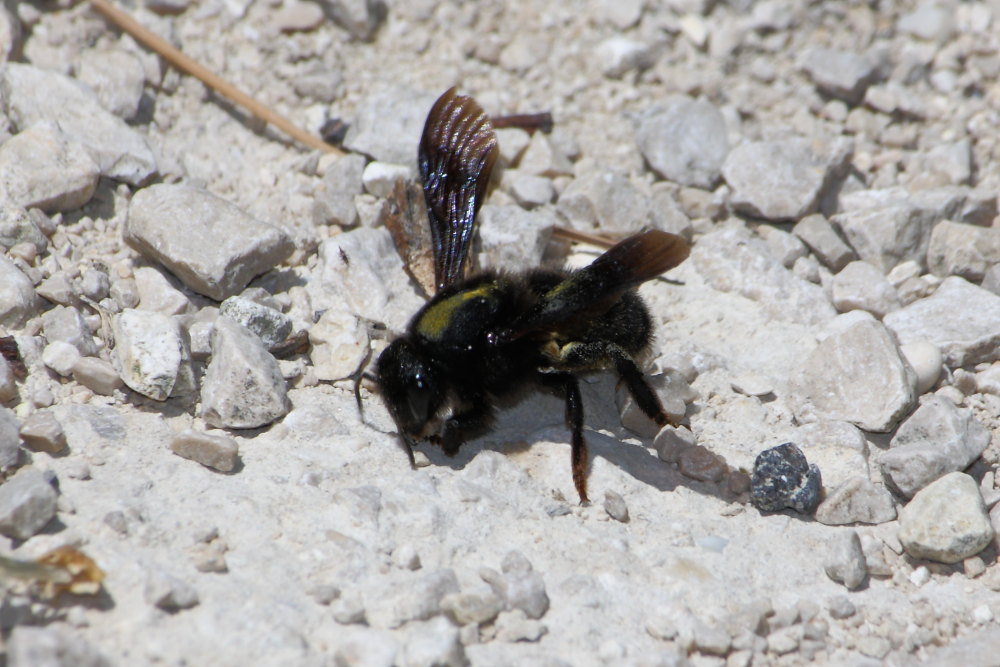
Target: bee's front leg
476, 417
566, 384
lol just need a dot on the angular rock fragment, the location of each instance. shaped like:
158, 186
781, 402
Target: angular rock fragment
66, 324
888, 227
618, 55
340, 343
97, 375
18, 301
944, 164
841, 74
212, 451
42, 432
858, 500
946, 521
684, 141
9, 439
41, 167
512, 238
116, 76
379, 178
674, 394
698, 463
27, 503
61, 357
152, 355
838, 448
960, 249
479, 608
214, 247
515, 626
542, 157
17, 227
272, 326
959, 318
823, 240
243, 386
615, 506
334, 199
782, 477
360, 18
846, 560
156, 293
520, 587
937, 439
861, 286
362, 269
528, 190
388, 124
857, 375
419, 600
785, 247
605, 199
34, 95
784, 180
732, 260
168, 592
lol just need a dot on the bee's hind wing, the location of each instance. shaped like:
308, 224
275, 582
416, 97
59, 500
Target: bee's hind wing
591, 291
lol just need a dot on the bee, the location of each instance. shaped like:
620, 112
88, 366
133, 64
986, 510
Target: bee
484, 337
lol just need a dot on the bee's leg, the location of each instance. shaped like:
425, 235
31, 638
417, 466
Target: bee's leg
567, 384
476, 418
408, 446
637, 385
582, 355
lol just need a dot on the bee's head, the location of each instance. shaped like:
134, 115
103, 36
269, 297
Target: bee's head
412, 387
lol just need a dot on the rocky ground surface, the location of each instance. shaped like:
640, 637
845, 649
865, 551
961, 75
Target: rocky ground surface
835, 167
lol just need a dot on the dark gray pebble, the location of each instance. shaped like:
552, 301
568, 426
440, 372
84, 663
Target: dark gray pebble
783, 478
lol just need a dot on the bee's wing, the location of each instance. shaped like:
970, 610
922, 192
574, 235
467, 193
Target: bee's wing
591, 291
457, 153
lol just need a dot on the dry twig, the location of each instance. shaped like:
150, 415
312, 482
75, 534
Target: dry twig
185, 64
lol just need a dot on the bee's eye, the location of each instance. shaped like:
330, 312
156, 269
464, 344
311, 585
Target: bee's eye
412, 387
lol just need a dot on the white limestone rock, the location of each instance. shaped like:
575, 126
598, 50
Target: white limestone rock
213, 246
857, 375
152, 354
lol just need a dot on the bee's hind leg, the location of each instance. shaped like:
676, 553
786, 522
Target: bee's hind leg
567, 385
586, 355
639, 387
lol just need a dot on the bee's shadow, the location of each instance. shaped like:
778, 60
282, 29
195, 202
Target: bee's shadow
538, 417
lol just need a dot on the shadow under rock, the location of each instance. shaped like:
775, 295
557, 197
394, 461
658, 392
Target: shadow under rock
101, 205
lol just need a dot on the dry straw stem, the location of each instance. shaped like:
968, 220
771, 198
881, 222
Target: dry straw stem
185, 64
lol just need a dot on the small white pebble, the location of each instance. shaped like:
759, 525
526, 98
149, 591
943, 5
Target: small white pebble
920, 576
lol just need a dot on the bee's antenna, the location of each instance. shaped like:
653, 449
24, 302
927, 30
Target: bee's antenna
408, 446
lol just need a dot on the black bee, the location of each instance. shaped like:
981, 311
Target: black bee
484, 337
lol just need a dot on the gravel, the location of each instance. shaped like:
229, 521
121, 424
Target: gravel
834, 169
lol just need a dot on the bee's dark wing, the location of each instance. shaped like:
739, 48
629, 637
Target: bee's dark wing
457, 153
592, 290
